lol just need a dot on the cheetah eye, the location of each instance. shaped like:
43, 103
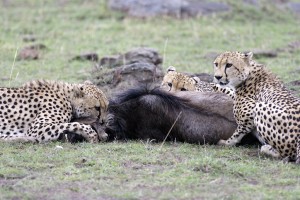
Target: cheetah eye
170, 84
216, 64
183, 89
228, 65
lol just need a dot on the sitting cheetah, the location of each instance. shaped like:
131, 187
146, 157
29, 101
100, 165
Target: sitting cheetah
261, 101
175, 81
41, 111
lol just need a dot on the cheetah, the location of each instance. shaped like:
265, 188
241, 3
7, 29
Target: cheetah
41, 111
261, 102
175, 81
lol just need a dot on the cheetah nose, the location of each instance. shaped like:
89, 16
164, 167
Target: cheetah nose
218, 77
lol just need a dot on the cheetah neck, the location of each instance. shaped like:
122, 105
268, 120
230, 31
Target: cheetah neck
72, 91
259, 80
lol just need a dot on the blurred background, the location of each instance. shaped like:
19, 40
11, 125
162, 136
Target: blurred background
72, 40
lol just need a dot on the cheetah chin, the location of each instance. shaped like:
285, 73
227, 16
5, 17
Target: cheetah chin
222, 83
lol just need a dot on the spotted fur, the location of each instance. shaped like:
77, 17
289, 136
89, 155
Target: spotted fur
261, 101
175, 81
41, 111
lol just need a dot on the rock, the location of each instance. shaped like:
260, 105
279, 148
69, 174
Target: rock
87, 56
291, 47
252, 2
109, 61
205, 77
211, 55
294, 83
294, 86
147, 8
31, 52
194, 9
29, 38
258, 53
294, 7
120, 72
176, 8
264, 53
140, 55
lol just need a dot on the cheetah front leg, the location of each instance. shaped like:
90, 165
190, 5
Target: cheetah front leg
217, 88
237, 136
270, 151
49, 132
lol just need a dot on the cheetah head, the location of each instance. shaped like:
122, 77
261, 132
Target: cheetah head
90, 101
231, 69
174, 81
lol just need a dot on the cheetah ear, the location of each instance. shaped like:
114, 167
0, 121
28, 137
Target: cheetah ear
196, 78
78, 91
248, 55
88, 82
171, 69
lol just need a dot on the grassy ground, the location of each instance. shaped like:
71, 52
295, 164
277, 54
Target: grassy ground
139, 170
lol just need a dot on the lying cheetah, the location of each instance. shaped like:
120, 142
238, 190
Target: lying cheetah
261, 101
41, 111
175, 81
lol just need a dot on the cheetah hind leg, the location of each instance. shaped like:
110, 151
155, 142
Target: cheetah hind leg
16, 138
270, 151
298, 151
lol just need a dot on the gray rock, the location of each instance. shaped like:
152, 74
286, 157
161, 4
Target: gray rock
204, 8
295, 7
252, 2
147, 8
121, 72
177, 8
87, 56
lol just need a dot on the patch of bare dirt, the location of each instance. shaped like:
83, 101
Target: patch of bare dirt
31, 52
87, 56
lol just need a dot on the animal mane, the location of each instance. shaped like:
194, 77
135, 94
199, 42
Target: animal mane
167, 99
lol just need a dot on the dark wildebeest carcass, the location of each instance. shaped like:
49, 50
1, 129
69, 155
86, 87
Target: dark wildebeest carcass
141, 113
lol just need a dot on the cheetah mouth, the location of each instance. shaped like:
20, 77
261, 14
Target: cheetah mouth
222, 83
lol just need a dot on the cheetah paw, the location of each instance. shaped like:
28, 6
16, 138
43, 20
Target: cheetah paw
93, 137
222, 142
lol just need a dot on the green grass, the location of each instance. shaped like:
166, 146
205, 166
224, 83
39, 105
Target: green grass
143, 170
140, 170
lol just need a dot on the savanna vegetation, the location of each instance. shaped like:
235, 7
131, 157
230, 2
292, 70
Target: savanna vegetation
141, 169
